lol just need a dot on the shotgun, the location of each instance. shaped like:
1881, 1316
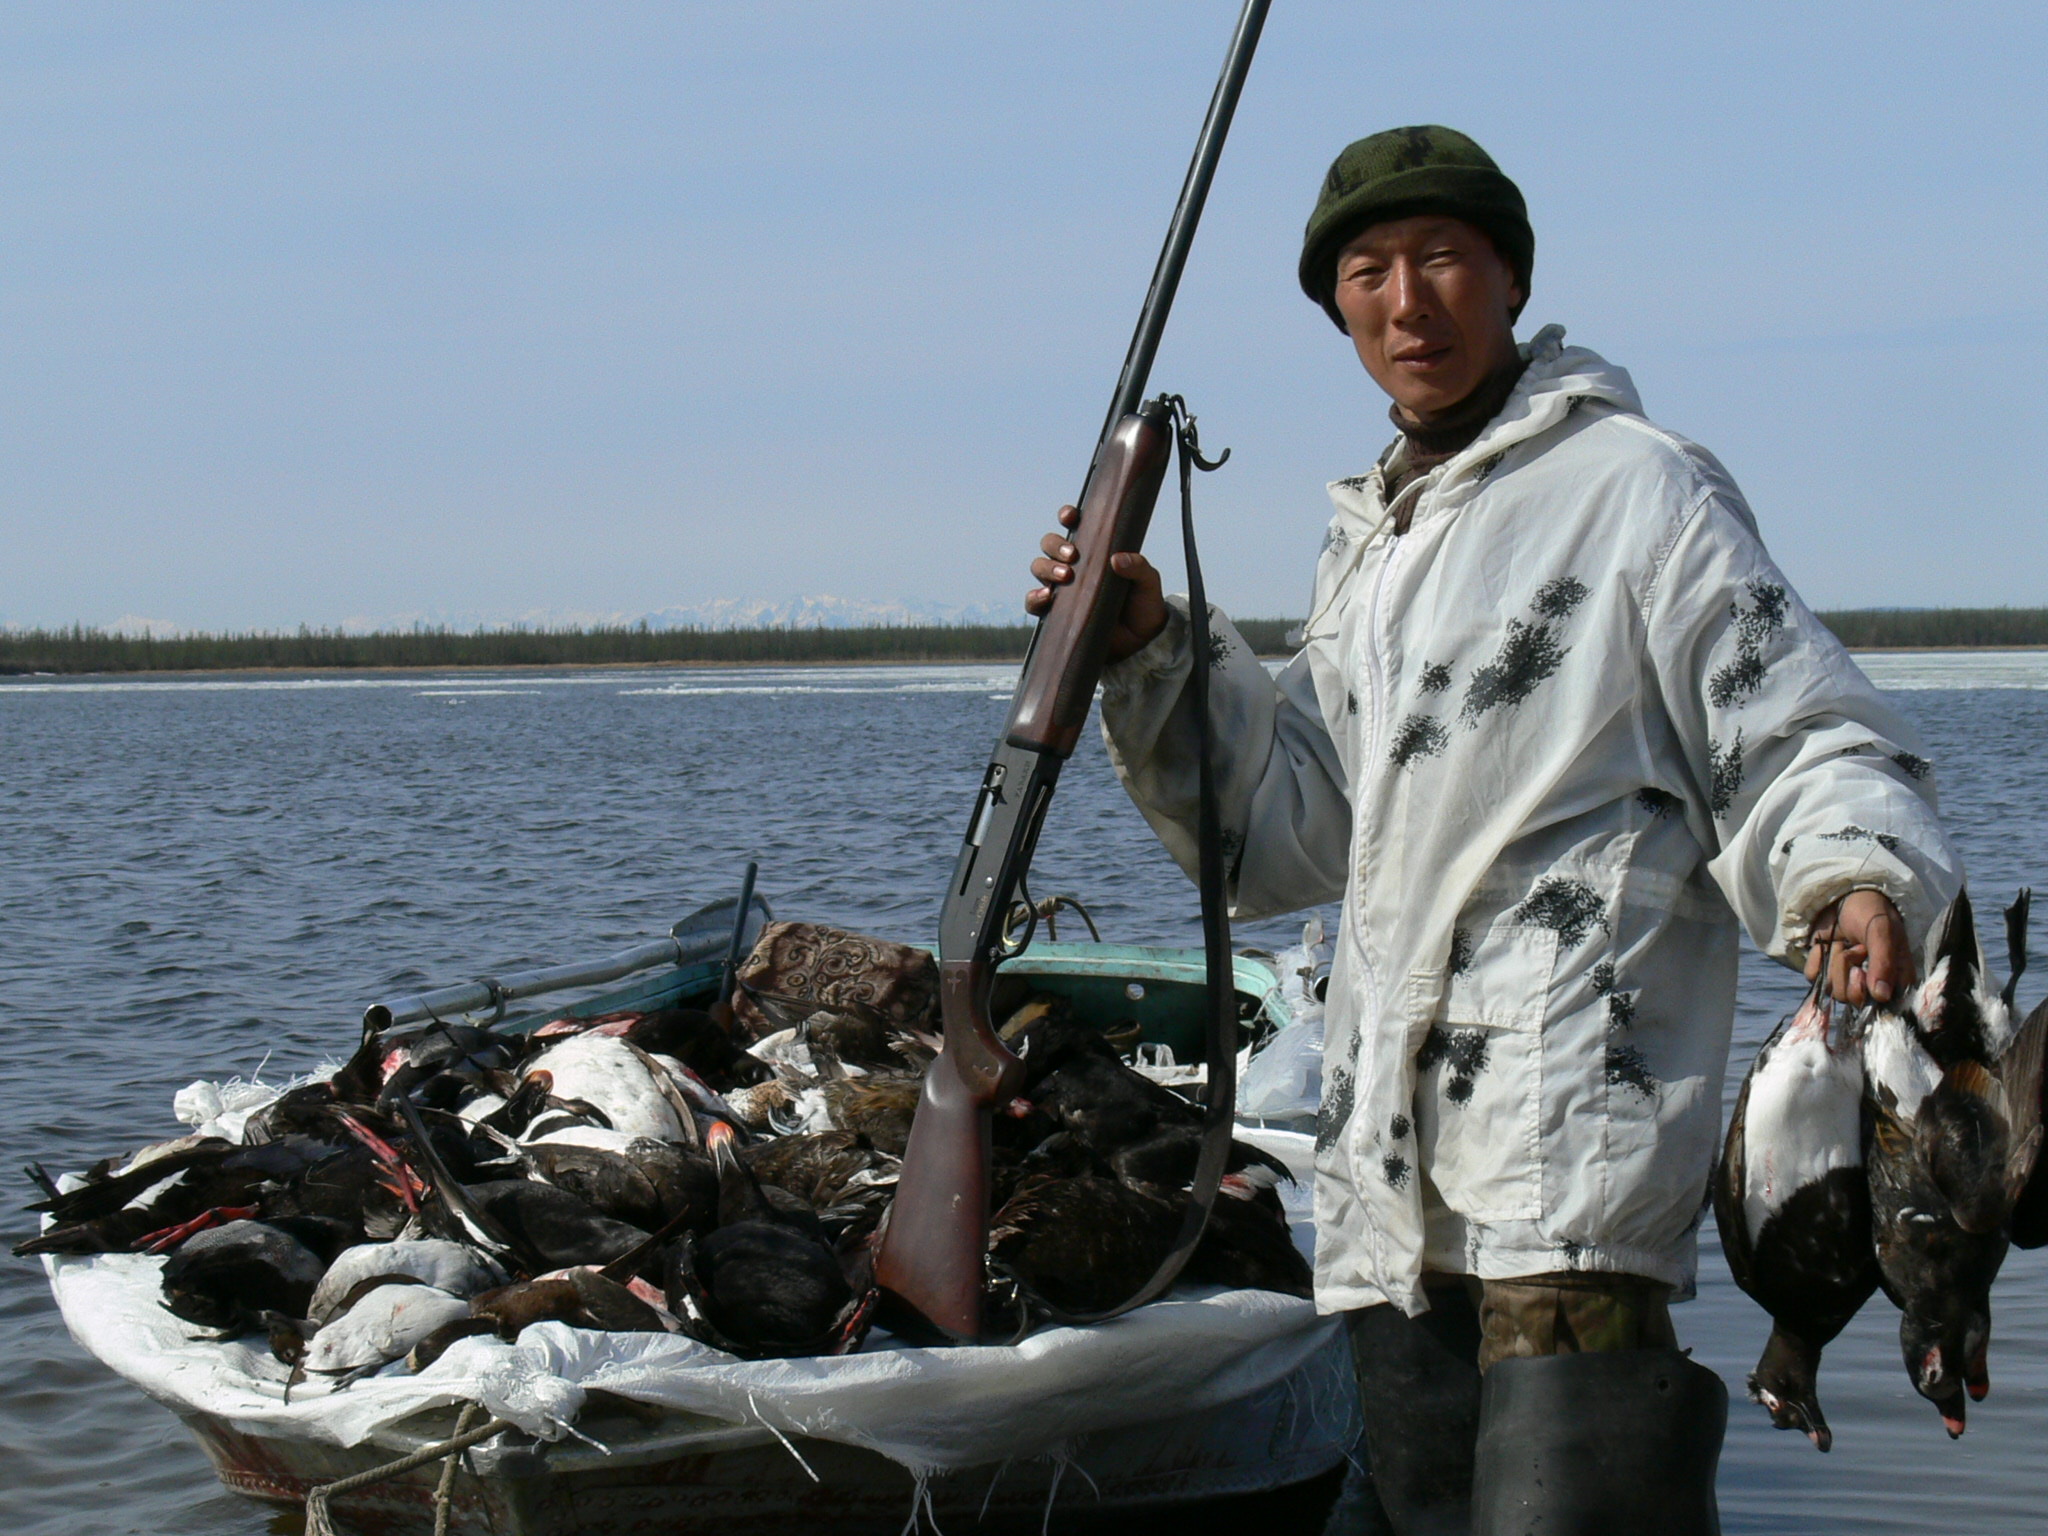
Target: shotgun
930, 1253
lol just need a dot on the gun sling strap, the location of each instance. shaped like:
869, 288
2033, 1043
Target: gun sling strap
1219, 1104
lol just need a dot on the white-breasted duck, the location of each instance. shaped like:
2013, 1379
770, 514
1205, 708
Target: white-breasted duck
1792, 1201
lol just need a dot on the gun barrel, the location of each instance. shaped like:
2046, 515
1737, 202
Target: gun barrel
1180, 233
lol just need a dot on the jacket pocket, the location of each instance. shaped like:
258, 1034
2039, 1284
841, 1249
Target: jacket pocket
1479, 1074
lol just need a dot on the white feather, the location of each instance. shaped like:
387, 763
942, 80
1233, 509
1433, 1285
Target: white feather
450, 1267
603, 1071
813, 1113
1804, 1118
381, 1327
593, 1136
483, 1104
1894, 1059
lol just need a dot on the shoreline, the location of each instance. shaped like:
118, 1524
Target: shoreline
381, 669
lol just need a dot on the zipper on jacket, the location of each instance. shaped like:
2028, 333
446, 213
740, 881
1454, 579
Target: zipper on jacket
1369, 1026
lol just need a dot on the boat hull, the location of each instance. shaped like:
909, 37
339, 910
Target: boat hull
681, 1474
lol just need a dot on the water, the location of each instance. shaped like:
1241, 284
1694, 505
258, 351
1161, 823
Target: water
199, 877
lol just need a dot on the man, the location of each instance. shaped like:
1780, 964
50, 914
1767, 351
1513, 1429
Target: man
1558, 723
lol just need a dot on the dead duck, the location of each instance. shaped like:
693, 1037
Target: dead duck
581, 1297
820, 1167
1110, 1108
644, 1183
381, 1320
228, 1276
605, 1071
456, 1268
1953, 1114
1081, 1245
432, 1065
1792, 1201
529, 1227
880, 1106
156, 1201
694, 1038
1166, 1158
1247, 1244
761, 1285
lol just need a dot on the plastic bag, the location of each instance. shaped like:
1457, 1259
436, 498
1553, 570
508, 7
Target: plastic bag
1284, 1079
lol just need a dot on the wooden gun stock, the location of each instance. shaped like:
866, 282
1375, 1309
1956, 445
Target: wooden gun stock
937, 1233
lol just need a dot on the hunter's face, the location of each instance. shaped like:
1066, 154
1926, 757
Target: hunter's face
1427, 301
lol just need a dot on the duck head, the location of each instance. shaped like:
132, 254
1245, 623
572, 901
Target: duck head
1945, 1353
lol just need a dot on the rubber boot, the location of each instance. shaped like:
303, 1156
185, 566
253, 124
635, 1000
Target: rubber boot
1598, 1445
1418, 1391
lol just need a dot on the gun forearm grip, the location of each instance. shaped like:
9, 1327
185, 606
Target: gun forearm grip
1067, 654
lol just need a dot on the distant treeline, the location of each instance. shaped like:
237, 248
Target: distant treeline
312, 650
1935, 629
91, 650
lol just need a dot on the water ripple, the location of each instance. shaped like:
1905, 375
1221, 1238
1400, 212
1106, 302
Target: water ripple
202, 876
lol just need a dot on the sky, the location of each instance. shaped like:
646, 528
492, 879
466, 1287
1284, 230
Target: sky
377, 313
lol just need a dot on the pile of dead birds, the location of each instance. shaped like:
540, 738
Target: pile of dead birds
1891, 1149
651, 1172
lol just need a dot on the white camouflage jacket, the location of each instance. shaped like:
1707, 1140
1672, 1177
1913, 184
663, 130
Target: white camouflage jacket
1547, 746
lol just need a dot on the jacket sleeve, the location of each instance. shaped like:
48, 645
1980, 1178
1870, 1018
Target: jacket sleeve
1285, 811
1807, 784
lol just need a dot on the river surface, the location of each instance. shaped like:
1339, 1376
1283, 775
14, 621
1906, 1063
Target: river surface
208, 877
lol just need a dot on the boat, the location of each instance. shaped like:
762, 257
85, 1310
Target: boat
992, 1437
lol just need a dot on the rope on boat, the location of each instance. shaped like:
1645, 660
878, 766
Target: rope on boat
444, 1491
320, 1523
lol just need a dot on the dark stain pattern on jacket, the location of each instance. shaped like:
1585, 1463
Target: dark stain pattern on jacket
1350, 703
1461, 951
1916, 766
1852, 833
1334, 1113
1754, 627
1400, 1128
1626, 1068
1725, 764
1558, 598
1626, 1065
1572, 907
1658, 802
1436, 677
1395, 1167
1572, 1253
1621, 1010
1418, 736
1219, 650
1528, 653
1483, 470
1463, 1053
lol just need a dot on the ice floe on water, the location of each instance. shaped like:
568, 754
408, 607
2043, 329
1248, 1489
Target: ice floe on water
1921, 671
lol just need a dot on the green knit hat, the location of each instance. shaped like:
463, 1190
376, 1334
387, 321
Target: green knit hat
1407, 171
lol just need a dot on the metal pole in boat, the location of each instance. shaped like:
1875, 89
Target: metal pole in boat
728, 976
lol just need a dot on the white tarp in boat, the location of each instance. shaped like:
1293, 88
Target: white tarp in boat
929, 1409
